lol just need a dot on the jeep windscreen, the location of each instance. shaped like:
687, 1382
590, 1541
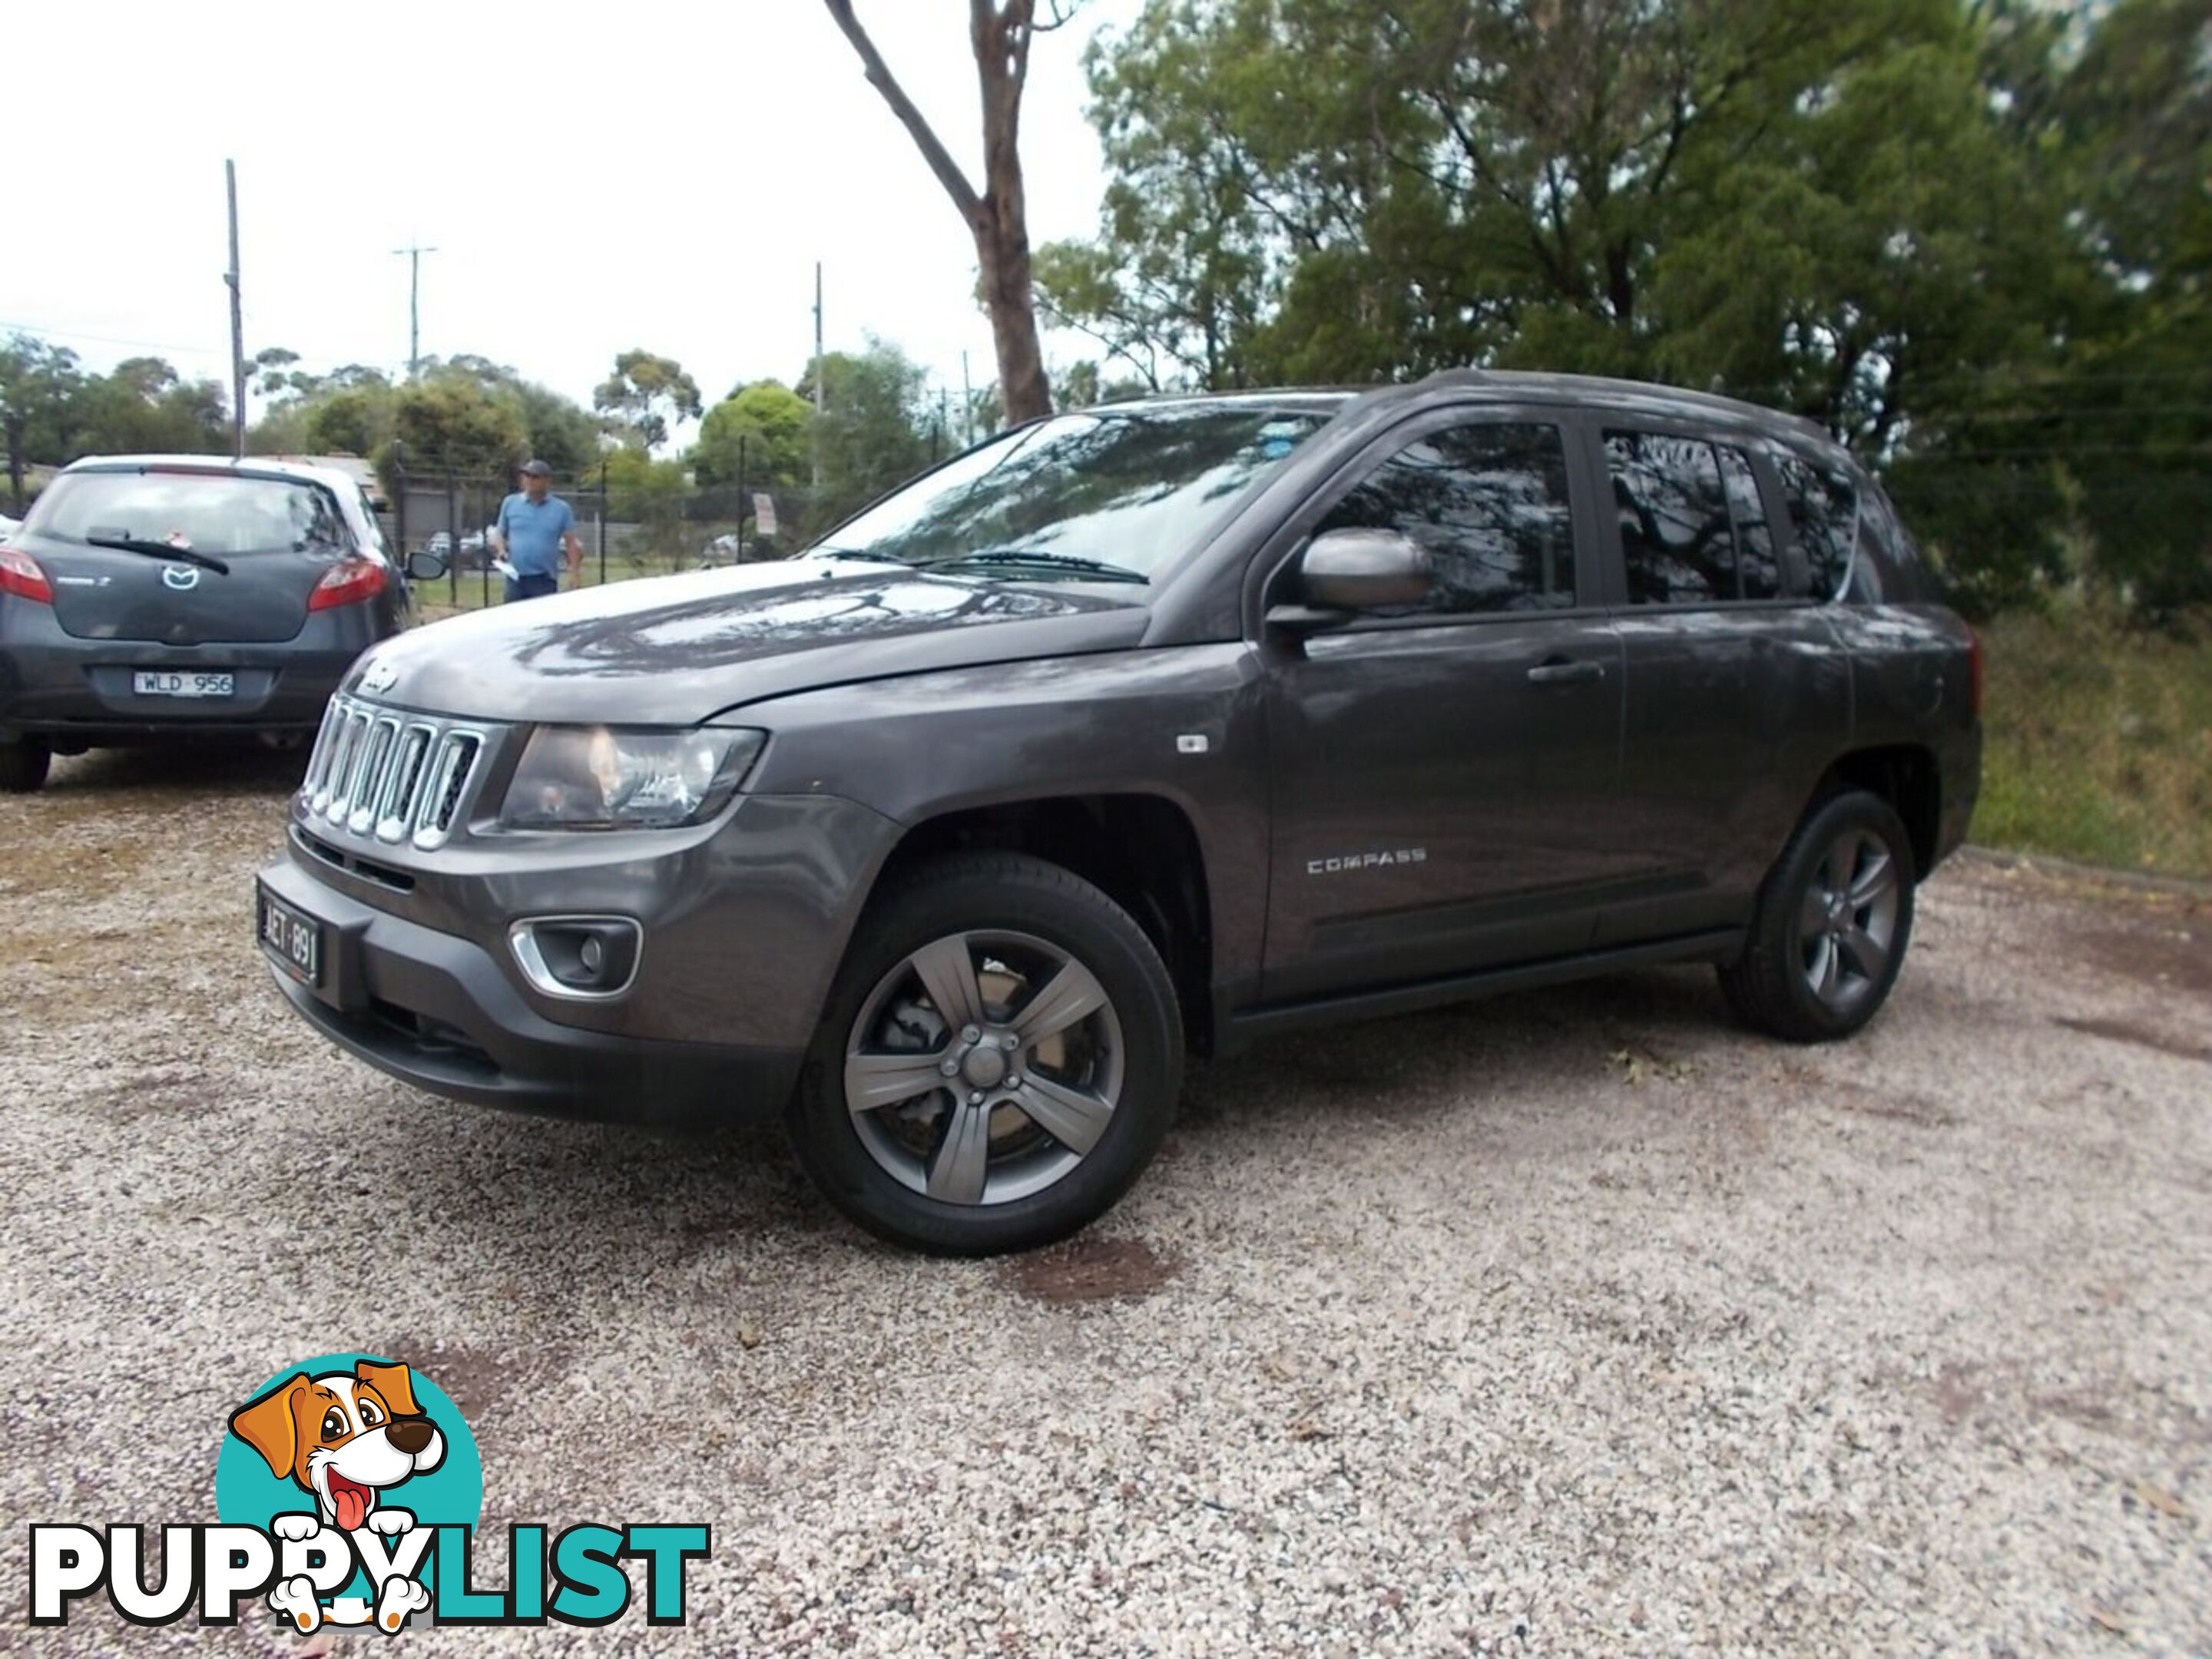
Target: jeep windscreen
181, 512
1103, 495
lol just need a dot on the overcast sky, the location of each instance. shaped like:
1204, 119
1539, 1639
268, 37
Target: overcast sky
654, 175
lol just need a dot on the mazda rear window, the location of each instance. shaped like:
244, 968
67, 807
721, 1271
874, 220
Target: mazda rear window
217, 513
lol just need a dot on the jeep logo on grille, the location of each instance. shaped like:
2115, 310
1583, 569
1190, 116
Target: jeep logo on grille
379, 675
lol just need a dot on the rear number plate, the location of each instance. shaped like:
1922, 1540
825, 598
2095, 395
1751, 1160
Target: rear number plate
294, 942
163, 683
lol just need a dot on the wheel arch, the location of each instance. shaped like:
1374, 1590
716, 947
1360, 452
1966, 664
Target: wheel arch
1908, 776
1139, 849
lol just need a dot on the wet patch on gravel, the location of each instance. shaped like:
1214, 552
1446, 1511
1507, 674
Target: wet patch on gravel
2142, 1035
2168, 949
479, 1378
1092, 1268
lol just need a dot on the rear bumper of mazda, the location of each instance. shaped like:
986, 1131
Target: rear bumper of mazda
71, 690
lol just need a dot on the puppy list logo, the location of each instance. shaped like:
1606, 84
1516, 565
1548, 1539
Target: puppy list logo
347, 1494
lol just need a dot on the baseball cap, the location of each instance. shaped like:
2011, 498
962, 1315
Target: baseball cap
536, 469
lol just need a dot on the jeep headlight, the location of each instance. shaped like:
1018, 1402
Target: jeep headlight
606, 777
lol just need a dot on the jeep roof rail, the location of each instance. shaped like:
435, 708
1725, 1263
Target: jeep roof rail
1512, 380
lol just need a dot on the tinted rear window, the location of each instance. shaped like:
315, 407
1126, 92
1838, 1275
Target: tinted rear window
1757, 568
1824, 508
208, 512
1675, 529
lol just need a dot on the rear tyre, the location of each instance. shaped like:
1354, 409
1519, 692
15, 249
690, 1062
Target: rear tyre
999, 1060
1829, 932
23, 762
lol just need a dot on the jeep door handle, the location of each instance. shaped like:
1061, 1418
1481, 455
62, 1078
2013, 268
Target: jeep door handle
1557, 671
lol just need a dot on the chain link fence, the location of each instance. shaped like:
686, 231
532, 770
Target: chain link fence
626, 532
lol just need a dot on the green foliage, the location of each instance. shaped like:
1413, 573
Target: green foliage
141, 406
644, 393
352, 420
874, 432
452, 425
775, 426
559, 431
562, 433
651, 494
1972, 237
458, 418
2098, 739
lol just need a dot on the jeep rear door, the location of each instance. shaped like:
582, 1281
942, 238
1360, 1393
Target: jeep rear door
1737, 696
1441, 774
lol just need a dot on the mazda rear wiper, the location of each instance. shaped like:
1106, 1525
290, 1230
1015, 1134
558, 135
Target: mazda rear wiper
1015, 558
158, 550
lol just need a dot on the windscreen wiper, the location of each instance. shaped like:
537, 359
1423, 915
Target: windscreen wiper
858, 553
158, 550
1020, 558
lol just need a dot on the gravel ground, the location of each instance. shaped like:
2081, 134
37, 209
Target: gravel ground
1570, 1322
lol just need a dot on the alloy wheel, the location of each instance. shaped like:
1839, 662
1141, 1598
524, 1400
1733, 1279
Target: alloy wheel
1847, 922
984, 1067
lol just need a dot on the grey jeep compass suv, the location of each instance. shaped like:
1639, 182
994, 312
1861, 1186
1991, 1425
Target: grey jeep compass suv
1149, 729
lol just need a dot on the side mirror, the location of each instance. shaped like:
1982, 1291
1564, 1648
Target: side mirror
1344, 570
424, 566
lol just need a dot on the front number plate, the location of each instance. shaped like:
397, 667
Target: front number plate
164, 682
294, 942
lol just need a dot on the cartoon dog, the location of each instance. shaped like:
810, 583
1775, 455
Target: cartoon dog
344, 1438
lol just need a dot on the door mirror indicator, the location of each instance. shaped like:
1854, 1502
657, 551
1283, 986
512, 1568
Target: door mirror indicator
1362, 570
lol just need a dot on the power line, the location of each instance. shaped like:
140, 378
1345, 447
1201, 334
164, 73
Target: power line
60, 336
46, 333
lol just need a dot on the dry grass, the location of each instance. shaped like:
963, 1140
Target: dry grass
2099, 741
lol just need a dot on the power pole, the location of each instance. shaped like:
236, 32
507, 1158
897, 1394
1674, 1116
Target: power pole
821, 402
237, 324
413, 254
15, 425
968, 392
741, 499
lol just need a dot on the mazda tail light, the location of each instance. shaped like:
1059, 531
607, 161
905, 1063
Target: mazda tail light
20, 575
349, 582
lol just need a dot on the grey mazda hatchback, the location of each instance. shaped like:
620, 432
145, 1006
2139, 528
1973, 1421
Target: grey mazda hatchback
151, 598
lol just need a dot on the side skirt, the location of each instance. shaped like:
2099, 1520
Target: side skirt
1240, 1030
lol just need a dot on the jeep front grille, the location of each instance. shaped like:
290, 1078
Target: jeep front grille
394, 776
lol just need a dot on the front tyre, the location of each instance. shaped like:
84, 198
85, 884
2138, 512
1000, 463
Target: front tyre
1829, 933
999, 1060
23, 762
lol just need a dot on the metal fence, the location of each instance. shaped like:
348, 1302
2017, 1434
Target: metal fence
625, 533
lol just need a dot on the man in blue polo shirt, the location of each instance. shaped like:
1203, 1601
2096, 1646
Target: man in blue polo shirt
534, 526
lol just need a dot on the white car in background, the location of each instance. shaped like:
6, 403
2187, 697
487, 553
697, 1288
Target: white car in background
8, 526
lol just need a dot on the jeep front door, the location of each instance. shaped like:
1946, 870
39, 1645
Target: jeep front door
1440, 773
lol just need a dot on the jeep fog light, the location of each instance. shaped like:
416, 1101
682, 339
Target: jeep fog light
605, 777
578, 956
